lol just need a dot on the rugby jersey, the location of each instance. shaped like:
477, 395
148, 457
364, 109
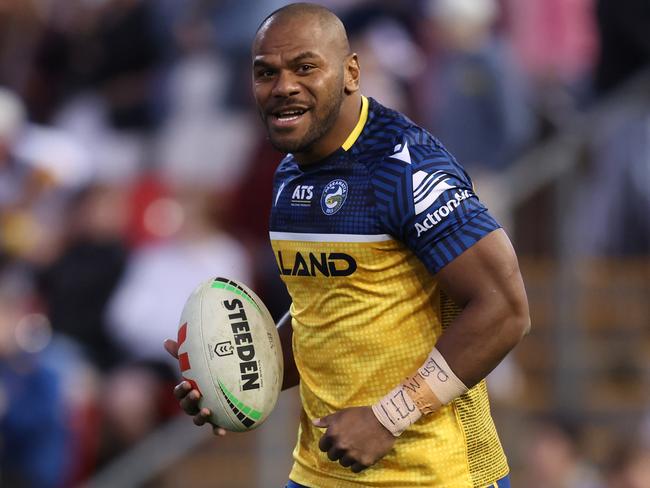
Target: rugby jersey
358, 239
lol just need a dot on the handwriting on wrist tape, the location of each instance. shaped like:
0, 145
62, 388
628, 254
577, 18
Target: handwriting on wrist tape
396, 411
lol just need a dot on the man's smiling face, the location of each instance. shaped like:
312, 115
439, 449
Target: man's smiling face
298, 79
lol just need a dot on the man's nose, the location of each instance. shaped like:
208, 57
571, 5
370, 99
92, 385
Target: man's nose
285, 84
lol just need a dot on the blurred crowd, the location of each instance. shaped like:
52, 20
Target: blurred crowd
133, 167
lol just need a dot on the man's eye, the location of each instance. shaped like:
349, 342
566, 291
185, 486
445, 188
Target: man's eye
266, 73
305, 68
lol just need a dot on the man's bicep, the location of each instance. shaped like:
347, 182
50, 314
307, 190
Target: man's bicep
486, 271
486, 283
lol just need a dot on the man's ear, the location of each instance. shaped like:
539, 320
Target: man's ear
352, 73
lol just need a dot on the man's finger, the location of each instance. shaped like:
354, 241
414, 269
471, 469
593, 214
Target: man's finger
171, 346
358, 467
181, 390
322, 422
325, 443
202, 417
190, 404
346, 461
334, 453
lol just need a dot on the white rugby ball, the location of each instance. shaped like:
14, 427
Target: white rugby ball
229, 350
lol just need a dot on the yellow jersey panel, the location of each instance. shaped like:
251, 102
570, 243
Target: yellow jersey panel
354, 339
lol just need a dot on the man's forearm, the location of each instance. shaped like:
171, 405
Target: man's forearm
474, 352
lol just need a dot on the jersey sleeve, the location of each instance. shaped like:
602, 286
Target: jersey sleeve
426, 200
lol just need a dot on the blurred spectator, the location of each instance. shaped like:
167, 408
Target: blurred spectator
553, 457
13, 175
613, 193
77, 285
625, 41
34, 432
204, 141
475, 99
630, 468
554, 40
39, 166
135, 399
114, 156
555, 43
391, 60
119, 55
81, 384
21, 24
109, 46
26, 187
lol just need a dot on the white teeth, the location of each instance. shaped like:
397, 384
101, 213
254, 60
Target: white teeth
291, 114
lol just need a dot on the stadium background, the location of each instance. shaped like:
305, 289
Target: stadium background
133, 166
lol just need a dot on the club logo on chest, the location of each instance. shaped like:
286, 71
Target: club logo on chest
334, 196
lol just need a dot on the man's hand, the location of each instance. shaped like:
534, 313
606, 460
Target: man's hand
189, 398
354, 437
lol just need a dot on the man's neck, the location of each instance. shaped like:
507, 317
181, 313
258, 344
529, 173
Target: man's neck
338, 134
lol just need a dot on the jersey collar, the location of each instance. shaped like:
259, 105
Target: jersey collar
356, 132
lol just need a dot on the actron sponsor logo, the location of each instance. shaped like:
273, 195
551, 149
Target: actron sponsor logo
434, 218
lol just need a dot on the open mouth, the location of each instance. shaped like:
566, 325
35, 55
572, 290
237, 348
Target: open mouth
287, 117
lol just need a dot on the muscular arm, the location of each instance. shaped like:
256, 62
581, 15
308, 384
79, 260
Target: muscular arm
485, 281
285, 330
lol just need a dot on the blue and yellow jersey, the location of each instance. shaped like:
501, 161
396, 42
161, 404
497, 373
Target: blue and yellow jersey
358, 239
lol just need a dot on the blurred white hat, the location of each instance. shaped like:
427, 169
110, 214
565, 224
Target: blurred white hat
465, 11
12, 114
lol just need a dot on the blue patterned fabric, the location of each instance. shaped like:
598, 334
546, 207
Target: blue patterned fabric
396, 179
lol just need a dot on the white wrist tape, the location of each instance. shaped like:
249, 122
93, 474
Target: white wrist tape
433, 385
440, 379
396, 411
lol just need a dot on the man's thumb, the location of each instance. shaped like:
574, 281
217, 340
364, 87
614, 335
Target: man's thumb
171, 346
321, 422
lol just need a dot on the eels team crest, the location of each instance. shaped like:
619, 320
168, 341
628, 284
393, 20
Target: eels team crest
334, 195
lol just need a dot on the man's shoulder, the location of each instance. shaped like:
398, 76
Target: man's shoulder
396, 142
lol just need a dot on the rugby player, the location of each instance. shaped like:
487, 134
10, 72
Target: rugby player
405, 292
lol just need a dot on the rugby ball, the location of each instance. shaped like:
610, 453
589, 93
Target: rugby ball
229, 350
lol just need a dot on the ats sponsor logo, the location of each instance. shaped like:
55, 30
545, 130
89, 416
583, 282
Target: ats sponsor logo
330, 265
248, 366
434, 218
302, 195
